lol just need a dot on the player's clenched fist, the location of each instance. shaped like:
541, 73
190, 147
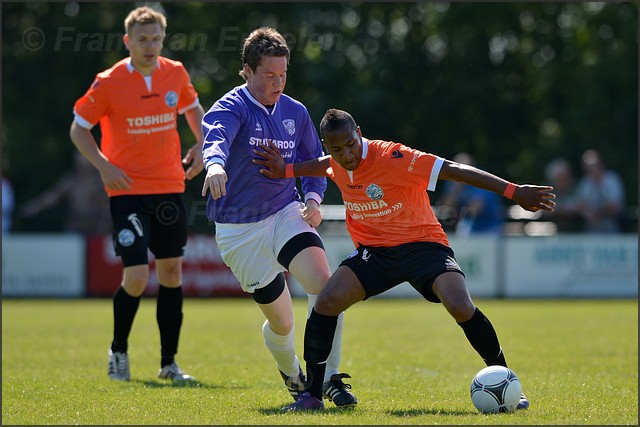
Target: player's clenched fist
215, 181
311, 213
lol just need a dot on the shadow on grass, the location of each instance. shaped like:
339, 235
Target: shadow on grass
179, 384
274, 410
419, 412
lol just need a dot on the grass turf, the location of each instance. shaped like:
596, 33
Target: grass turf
410, 363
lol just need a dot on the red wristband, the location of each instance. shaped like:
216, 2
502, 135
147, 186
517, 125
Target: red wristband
288, 171
508, 192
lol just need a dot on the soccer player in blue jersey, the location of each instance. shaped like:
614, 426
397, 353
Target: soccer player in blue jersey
262, 226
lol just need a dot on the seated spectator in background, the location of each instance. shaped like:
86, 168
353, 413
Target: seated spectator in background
476, 210
559, 174
600, 195
82, 188
7, 205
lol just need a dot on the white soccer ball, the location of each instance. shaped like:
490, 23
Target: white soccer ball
495, 389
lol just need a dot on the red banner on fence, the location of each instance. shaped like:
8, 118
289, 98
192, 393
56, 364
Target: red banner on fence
204, 274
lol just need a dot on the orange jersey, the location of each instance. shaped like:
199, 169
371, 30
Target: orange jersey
138, 122
386, 195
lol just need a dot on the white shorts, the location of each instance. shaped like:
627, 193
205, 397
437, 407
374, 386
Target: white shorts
251, 250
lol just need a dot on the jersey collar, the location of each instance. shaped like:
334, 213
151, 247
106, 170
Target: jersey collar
131, 68
258, 103
365, 147
365, 151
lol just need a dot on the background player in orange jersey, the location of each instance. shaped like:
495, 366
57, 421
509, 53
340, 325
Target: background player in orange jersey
396, 234
137, 102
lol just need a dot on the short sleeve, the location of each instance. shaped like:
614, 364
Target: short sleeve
94, 104
188, 95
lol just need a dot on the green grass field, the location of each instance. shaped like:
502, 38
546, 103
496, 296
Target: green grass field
410, 363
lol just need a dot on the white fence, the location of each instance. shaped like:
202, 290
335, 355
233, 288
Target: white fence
572, 266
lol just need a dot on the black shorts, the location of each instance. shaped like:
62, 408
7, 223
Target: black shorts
157, 222
419, 263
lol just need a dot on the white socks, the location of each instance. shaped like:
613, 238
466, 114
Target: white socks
282, 349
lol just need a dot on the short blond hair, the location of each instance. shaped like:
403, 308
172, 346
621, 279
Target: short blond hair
144, 15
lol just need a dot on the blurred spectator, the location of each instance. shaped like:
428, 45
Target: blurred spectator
600, 195
7, 204
559, 174
476, 210
88, 205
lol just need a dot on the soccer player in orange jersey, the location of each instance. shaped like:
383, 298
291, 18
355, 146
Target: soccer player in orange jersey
137, 102
396, 234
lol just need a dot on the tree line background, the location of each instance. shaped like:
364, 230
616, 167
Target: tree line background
514, 84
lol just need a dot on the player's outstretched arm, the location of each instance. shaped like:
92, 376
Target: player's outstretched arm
531, 197
276, 167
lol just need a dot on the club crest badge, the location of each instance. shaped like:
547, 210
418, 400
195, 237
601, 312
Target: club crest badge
289, 126
126, 238
374, 192
171, 99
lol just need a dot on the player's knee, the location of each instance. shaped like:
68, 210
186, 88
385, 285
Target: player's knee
169, 274
171, 279
324, 276
135, 281
314, 283
327, 306
462, 311
281, 326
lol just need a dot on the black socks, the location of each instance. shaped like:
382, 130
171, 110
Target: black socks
483, 339
169, 317
318, 338
125, 308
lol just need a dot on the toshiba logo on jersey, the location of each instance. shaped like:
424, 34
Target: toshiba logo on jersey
368, 206
156, 119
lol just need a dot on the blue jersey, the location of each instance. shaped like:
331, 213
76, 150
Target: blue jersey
234, 126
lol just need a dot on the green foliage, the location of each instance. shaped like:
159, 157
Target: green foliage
410, 363
515, 84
